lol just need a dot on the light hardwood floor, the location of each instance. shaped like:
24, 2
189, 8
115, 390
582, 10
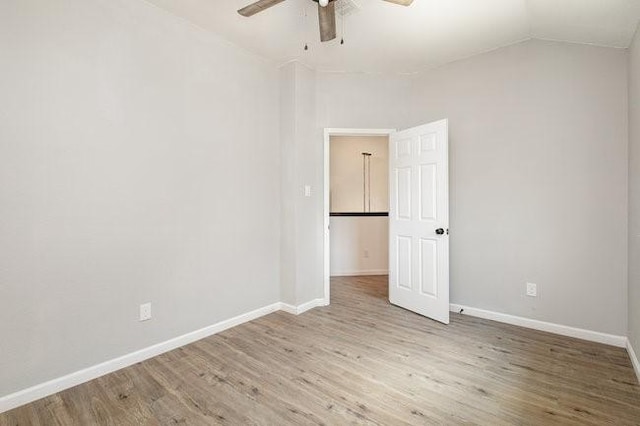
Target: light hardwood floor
359, 361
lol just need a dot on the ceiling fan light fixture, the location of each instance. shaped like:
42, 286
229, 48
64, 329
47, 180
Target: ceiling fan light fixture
326, 12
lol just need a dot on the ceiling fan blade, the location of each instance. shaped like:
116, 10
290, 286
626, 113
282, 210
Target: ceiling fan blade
401, 2
327, 17
258, 6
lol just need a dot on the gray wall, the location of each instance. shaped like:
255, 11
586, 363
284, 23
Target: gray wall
538, 180
288, 184
309, 171
138, 163
538, 173
301, 218
634, 194
329, 100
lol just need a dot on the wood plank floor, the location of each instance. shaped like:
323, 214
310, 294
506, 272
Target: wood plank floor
359, 361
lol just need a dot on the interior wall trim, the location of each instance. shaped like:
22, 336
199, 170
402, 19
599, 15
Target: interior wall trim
300, 309
371, 272
59, 384
563, 330
634, 359
33, 393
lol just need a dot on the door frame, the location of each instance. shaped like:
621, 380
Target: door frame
328, 133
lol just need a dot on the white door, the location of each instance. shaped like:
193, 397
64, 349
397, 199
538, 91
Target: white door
419, 220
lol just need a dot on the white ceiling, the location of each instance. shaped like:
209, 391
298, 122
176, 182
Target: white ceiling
383, 37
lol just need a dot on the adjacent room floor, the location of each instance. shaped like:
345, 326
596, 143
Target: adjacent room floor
361, 361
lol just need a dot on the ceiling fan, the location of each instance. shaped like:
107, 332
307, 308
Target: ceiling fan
326, 13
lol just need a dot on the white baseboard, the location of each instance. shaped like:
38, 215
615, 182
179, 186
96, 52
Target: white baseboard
634, 359
25, 396
297, 310
564, 330
51, 387
361, 273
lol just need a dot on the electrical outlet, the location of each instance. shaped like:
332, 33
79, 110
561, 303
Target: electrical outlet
145, 312
532, 290
366, 254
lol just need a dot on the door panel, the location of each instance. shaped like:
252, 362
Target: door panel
428, 192
403, 179
419, 208
429, 267
403, 148
404, 262
428, 142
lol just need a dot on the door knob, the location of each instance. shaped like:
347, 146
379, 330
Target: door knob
440, 231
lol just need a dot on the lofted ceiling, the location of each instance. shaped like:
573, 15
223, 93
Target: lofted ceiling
383, 37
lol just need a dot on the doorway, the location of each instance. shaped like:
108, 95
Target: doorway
418, 214
355, 203
359, 209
